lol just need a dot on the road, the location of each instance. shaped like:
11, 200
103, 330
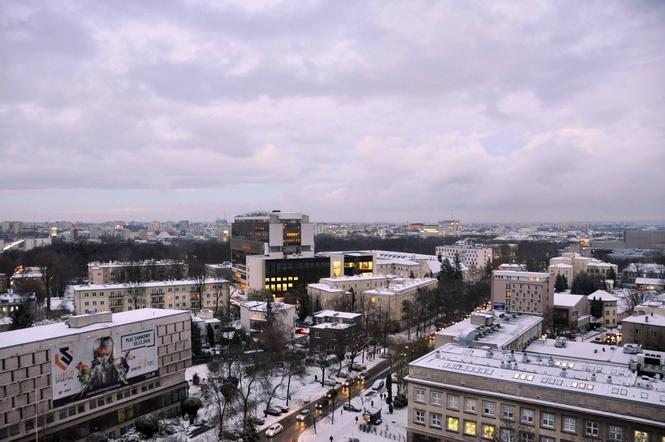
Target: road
293, 428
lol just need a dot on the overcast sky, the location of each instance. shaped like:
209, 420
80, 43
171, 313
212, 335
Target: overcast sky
345, 110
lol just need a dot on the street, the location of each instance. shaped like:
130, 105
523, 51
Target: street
293, 428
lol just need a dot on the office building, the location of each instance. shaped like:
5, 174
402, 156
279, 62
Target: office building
522, 292
185, 294
136, 271
279, 275
475, 257
97, 372
450, 227
554, 391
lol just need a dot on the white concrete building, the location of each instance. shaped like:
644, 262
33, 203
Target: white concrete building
253, 316
474, 257
609, 317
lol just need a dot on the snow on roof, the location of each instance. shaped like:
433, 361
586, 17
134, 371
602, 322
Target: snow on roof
657, 320
561, 265
336, 314
650, 281
518, 273
566, 299
325, 288
542, 364
353, 278
645, 267
510, 328
60, 329
397, 261
260, 306
149, 284
400, 285
144, 263
603, 296
333, 325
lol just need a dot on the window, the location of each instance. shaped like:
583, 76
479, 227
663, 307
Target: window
488, 431
470, 405
436, 397
527, 416
546, 439
507, 435
526, 437
453, 401
569, 424
592, 428
488, 408
547, 419
470, 428
508, 412
435, 420
641, 436
452, 424
420, 395
615, 433
419, 417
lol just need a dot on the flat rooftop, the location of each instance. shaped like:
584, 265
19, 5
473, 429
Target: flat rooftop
399, 285
567, 299
332, 325
509, 328
654, 320
572, 369
335, 314
60, 329
149, 284
354, 278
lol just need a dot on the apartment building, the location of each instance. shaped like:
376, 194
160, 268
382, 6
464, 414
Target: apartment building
522, 292
93, 373
607, 310
186, 294
333, 331
333, 292
114, 272
571, 313
475, 257
28, 279
387, 302
636, 270
581, 264
647, 330
549, 393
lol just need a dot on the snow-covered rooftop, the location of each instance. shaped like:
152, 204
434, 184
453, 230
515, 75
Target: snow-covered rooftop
60, 329
566, 299
603, 296
325, 288
657, 320
400, 285
261, 306
584, 368
353, 278
650, 281
149, 284
333, 325
510, 327
336, 314
145, 263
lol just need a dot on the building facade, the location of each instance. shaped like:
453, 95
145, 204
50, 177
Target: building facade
254, 316
333, 332
186, 294
113, 272
474, 257
65, 381
458, 393
647, 330
523, 292
603, 306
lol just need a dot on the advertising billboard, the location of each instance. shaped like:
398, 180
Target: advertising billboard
88, 367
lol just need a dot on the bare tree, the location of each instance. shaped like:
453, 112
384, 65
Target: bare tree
633, 299
197, 292
294, 367
136, 293
220, 392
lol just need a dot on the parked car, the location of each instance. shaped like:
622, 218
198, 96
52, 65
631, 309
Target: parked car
257, 420
331, 393
322, 403
284, 408
302, 415
363, 376
231, 434
330, 382
273, 411
351, 407
378, 384
274, 430
358, 367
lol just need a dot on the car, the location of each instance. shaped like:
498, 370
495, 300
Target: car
351, 407
322, 403
349, 382
330, 383
304, 413
257, 420
273, 411
284, 408
231, 434
363, 376
358, 367
274, 430
378, 384
331, 393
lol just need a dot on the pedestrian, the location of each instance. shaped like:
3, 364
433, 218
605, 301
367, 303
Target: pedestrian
356, 419
331, 439
372, 403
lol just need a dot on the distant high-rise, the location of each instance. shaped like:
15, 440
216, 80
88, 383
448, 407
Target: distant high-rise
450, 227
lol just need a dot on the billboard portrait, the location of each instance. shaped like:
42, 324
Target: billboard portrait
88, 367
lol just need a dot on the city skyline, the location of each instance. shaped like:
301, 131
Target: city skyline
500, 112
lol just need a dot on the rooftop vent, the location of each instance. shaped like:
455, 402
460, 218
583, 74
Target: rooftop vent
609, 379
88, 319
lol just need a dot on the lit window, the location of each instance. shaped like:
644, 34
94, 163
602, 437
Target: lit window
592, 428
436, 420
452, 424
470, 428
641, 436
419, 417
488, 431
453, 401
420, 395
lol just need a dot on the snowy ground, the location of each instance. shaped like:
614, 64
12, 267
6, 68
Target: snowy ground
346, 428
303, 391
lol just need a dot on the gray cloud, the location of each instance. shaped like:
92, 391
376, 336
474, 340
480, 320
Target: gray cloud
346, 110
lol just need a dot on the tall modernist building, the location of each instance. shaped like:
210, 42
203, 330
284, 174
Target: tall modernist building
96, 372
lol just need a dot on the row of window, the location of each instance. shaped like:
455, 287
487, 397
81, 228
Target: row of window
527, 416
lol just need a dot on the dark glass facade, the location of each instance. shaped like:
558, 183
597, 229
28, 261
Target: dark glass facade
284, 274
